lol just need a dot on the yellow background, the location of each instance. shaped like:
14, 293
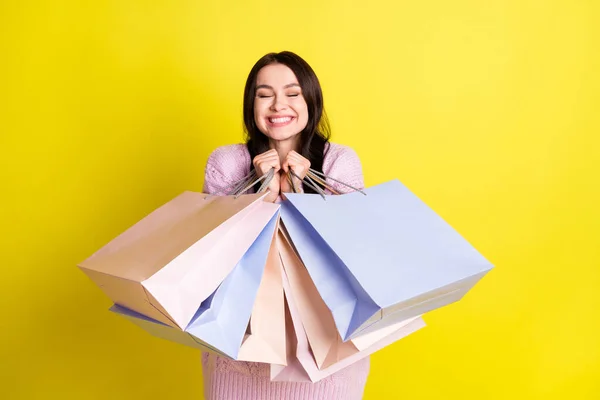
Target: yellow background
488, 110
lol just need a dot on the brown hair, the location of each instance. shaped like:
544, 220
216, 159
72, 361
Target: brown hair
317, 132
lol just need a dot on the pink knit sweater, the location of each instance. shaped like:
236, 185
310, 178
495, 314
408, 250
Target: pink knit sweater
226, 379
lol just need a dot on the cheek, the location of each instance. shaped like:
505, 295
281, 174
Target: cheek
300, 107
303, 114
257, 115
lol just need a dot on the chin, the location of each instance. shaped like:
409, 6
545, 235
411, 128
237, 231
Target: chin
282, 136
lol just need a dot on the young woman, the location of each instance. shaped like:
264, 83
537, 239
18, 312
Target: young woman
286, 128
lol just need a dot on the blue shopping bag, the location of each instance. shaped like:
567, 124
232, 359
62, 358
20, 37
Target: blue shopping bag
379, 258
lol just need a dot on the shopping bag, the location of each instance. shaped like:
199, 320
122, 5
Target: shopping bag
223, 318
323, 337
379, 258
220, 325
301, 364
325, 341
168, 263
222, 321
162, 331
265, 340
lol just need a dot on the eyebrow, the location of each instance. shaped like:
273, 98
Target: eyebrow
289, 85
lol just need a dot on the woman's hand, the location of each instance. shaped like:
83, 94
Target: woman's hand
263, 163
299, 165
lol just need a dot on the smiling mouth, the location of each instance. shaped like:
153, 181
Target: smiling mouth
279, 121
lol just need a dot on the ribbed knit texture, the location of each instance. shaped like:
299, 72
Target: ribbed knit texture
228, 164
226, 379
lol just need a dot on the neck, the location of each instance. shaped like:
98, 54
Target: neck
283, 147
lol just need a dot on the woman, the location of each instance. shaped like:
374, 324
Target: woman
286, 129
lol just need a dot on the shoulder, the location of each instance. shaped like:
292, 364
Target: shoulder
232, 152
230, 156
338, 153
231, 162
342, 163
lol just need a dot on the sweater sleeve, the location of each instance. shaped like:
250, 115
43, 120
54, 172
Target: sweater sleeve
225, 166
342, 163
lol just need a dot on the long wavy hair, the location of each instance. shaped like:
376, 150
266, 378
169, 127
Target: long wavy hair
314, 137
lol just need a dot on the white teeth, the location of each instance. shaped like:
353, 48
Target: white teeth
280, 120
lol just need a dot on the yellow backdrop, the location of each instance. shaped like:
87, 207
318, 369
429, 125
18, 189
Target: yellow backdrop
488, 110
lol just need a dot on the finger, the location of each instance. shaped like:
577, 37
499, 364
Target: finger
293, 164
299, 159
271, 153
268, 167
264, 168
266, 154
294, 158
273, 163
266, 159
297, 156
300, 166
292, 155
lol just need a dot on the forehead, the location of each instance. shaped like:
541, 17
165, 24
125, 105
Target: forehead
276, 75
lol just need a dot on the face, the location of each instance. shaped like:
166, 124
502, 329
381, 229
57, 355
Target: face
280, 111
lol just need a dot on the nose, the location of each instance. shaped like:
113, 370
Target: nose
279, 103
